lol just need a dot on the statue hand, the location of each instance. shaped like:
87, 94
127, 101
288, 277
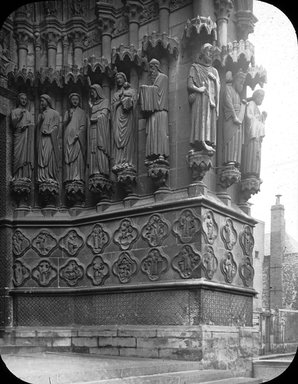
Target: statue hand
202, 89
237, 121
264, 115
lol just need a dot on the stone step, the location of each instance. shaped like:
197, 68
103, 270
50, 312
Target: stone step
236, 380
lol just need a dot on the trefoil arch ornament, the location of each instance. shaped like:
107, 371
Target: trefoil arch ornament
98, 271
44, 273
154, 264
246, 240
20, 243
187, 263
98, 239
125, 268
44, 243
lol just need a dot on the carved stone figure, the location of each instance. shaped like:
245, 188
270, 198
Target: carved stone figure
20, 273
229, 234
209, 262
210, 227
123, 124
246, 272
254, 131
75, 126
228, 267
44, 243
234, 109
20, 243
155, 231
186, 226
247, 241
23, 139
154, 102
154, 264
72, 242
125, 267
125, 235
48, 150
203, 87
187, 262
98, 239
99, 139
72, 272
44, 273
98, 271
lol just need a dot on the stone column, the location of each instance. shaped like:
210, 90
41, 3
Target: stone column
164, 13
222, 9
65, 45
78, 38
52, 39
37, 46
277, 249
106, 21
22, 39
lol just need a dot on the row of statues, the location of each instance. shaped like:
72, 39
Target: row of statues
243, 123
104, 138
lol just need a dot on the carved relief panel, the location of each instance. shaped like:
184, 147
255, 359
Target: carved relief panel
20, 243
154, 264
247, 241
125, 235
44, 273
209, 262
98, 239
186, 262
228, 267
98, 271
187, 226
155, 231
229, 234
20, 273
44, 243
125, 267
72, 242
246, 272
71, 273
210, 227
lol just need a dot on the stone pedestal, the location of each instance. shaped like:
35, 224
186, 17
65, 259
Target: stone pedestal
48, 192
21, 189
158, 171
229, 175
199, 162
127, 178
100, 186
75, 192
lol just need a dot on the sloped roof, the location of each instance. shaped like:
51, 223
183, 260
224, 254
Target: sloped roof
290, 243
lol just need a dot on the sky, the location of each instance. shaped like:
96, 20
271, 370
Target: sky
275, 44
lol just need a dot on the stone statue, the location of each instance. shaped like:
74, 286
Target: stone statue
99, 136
123, 124
75, 127
154, 101
48, 150
254, 131
234, 109
23, 139
203, 87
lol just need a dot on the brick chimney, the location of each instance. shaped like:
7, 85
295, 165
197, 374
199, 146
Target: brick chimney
277, 247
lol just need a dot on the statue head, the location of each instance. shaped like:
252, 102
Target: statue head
154, 68
74, 99
120, 79
258, 96
205, 55
22, 99
45, 102
238, 81
96, 92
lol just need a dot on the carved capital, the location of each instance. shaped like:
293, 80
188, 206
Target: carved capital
75, 192
158, 170
199, 162
48, 192
134, 9
250, 186
22, 39
21, 189
199, 23
126, 177
100, 185
245, 21
78, 38
51, 38
164, 4
223, 9
229, 175
105, 16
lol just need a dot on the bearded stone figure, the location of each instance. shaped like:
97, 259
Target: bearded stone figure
48, 149
123, 124
99, 135
23, 138
203, 87
75, 128
254, 131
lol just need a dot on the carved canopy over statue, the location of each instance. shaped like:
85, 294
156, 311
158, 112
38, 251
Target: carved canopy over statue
154, 102
123, 124
254, 131
23, 139
99, 135
234, 110
48, 150
75, 127
203, 87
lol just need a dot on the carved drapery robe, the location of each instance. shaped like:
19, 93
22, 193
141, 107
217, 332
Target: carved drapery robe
48, 150
154, 101
232, 132
253, 136
99, 138
23, 136
205, 105
75, 122
124, 125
